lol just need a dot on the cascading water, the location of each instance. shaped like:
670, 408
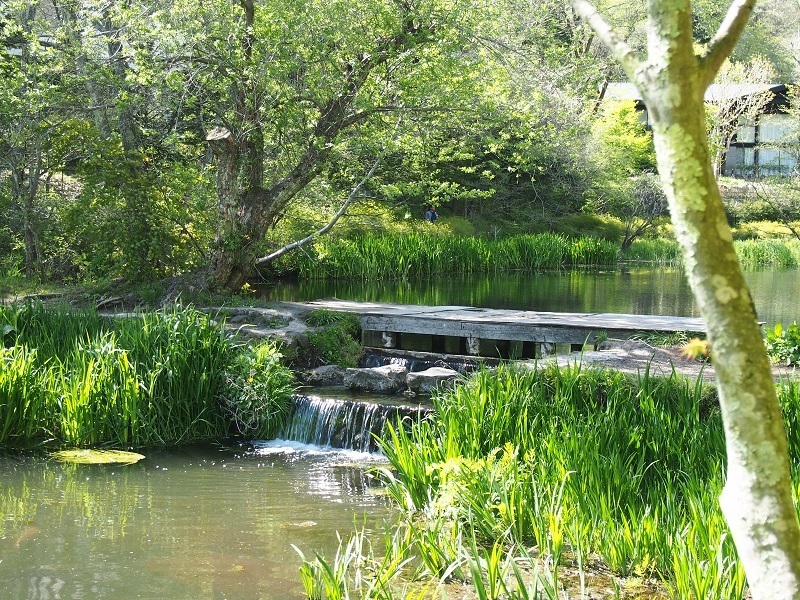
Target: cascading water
340, 423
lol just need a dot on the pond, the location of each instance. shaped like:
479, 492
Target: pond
630, 291
202, 522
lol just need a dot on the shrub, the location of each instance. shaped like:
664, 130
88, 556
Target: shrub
784, 344
258, 391
337, 343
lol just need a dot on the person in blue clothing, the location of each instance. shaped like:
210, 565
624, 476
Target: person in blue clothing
431, 215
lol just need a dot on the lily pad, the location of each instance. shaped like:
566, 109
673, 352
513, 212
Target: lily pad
98, 457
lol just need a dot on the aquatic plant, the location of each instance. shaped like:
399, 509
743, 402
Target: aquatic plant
96, 392
658, 251
22, 400
421, 255
753, 254
142, 379
579, 462
768, 253
258, 390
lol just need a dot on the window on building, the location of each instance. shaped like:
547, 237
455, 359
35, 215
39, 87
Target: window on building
746, 133
773, 128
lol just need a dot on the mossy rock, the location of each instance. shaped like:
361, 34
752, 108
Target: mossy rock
98, 457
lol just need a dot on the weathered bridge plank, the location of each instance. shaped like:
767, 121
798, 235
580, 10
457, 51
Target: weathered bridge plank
489, 331
502, 323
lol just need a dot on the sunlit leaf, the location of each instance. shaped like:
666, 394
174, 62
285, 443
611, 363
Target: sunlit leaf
98, 457
695, 348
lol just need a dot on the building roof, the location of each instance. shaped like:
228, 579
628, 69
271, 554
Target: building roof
716, 92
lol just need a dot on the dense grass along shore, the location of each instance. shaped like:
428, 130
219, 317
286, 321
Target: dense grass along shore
418, 255
74, 378
520, 474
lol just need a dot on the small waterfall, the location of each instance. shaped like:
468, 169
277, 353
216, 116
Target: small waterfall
346, 424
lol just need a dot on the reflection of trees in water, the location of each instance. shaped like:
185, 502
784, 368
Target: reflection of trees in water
633, 291
200, 522
569, 291
101, 498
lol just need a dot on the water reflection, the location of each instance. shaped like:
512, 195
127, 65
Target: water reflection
632, 291
199, 522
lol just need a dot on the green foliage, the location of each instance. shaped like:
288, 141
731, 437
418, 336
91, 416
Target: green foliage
136, 220
601, 226
783, 344
760, 210
22, 399
152, 378
337, 342
258, 391
323, 316
659, 251
589, 460
574, 463
625, 147
625, 184
420, 255
526, 147
768, 253
98, 394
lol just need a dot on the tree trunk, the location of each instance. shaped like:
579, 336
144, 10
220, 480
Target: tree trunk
248, 206
757, 498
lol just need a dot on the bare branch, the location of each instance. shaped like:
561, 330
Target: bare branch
618, 47
726, 37
300, 243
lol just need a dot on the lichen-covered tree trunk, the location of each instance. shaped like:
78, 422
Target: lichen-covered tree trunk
757, 498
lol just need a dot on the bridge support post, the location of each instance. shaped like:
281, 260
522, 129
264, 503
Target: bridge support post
389, 339
546, 349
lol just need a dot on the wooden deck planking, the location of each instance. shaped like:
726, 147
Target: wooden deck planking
503, 324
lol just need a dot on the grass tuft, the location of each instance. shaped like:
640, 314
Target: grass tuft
146, 379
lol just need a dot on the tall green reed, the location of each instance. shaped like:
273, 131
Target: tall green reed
23, 409
53, 331
420, 255
580, 461
97, 393
142, 379
768, 253
657, 251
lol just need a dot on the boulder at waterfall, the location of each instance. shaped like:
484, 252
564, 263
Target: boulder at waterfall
424, 382
387, 379
326, 375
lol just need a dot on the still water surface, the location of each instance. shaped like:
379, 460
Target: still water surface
630, 291
201, 522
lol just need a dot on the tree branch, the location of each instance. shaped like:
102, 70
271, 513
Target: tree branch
618, 47
300, 243
726, 37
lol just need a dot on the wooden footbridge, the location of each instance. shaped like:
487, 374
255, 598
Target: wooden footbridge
496, 332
